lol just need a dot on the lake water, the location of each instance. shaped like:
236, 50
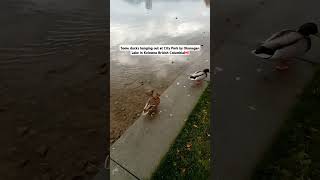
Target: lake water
50, 52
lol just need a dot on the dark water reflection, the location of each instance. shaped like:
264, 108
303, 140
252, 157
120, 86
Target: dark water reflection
50, 52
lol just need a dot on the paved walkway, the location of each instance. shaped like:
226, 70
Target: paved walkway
251, 100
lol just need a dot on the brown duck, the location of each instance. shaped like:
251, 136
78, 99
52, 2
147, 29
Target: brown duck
152, 103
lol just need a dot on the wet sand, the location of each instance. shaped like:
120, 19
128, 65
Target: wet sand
52, 107
151, 22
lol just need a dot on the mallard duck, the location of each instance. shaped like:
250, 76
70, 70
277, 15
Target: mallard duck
199, 76
152, 103
287, 44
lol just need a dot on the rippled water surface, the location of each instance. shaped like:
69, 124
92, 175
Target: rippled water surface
151, 22
52, 91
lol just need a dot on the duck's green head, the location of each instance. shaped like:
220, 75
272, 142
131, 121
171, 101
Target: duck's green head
309, 29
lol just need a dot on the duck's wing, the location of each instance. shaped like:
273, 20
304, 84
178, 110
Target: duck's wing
278, 34
152, 102
294, 50
282, 39
277, 41
196, 75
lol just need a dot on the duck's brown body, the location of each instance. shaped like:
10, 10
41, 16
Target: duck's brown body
152, 104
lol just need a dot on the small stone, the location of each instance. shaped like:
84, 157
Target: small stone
176, 17
171, 115
252, 108
122, 109
24, 163
91, 131
178, 83
33, 102
45, 177
61, 177
94, 159
23, 130
219, 69
44, 167
77, 177
115, 170
91, 169
3, 109
68, 51
12, 151
81, 164
43, 150
188, 95
32, 132
184, 86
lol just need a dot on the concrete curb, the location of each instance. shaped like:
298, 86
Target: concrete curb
141, 148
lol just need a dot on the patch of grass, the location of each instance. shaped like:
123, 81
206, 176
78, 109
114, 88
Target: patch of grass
295, 155
189, 156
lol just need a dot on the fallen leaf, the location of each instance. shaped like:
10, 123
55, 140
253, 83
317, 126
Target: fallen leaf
252, 108
259, 70
218, 69
183, 170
